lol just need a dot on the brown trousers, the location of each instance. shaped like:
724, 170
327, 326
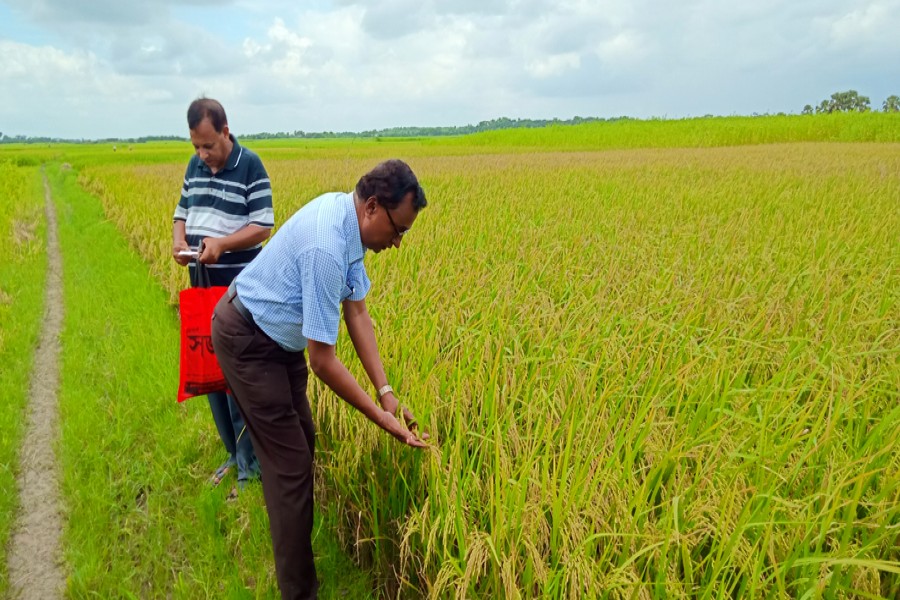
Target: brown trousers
269, 385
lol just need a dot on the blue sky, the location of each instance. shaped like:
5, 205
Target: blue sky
113, 68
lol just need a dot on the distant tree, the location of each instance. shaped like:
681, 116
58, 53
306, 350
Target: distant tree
891, 104
807, 110
849, 101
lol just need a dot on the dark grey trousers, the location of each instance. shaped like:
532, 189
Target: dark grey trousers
269, 385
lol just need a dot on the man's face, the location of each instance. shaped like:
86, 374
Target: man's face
212, 147
385, 227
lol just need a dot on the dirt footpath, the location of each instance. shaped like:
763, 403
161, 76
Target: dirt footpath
35, 557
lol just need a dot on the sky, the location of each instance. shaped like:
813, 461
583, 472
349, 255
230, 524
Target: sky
94, 69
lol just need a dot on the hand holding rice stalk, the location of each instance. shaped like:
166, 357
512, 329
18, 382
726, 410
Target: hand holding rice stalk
393, 425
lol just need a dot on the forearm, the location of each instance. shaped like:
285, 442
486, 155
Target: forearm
248, 237
329, 369
362, 334
179, 243
178, 233
335, 375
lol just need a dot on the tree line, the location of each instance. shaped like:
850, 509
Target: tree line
390, 132
851, 101
401, 132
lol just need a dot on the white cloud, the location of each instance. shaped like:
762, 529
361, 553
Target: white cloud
350, 65
866, 24
554, 65
623, 49
56, 93
27, 65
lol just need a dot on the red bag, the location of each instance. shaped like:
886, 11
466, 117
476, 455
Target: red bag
200, 371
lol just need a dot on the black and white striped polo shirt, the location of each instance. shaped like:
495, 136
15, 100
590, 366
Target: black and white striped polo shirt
240, 194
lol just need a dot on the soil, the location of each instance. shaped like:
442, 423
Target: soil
35, 556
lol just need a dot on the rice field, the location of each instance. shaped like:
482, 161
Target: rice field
656, 362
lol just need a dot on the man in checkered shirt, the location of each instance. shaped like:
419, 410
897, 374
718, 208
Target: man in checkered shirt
288, 301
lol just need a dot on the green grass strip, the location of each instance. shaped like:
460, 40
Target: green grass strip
22, 275
142, 520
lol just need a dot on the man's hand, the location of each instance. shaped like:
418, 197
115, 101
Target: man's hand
324, 363
212, 250
390, 404
390, 424
178, 247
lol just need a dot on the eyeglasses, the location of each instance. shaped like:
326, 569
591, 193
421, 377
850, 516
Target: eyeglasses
400, 234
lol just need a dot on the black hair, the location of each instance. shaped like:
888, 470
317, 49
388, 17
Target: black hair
206, 108
390, 182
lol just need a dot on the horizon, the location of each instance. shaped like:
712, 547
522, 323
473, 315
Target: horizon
523, 123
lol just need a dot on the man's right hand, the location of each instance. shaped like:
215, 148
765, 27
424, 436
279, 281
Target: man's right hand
179, 247
390, 424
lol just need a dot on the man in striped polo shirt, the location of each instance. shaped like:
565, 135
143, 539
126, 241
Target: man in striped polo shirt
225, 208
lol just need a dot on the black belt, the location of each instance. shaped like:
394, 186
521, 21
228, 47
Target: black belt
238, 305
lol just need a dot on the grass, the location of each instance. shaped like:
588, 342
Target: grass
22, 275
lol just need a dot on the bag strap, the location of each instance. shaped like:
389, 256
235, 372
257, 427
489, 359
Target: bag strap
200, 275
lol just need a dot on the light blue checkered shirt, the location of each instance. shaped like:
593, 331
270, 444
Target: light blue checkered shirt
295, 287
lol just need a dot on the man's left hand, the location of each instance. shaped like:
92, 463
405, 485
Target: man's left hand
212, 251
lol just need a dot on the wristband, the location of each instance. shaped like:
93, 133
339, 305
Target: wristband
384, 390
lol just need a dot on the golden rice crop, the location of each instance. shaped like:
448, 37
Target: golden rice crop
652, 373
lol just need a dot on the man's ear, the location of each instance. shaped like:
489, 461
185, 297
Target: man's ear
225, 130
371, 205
